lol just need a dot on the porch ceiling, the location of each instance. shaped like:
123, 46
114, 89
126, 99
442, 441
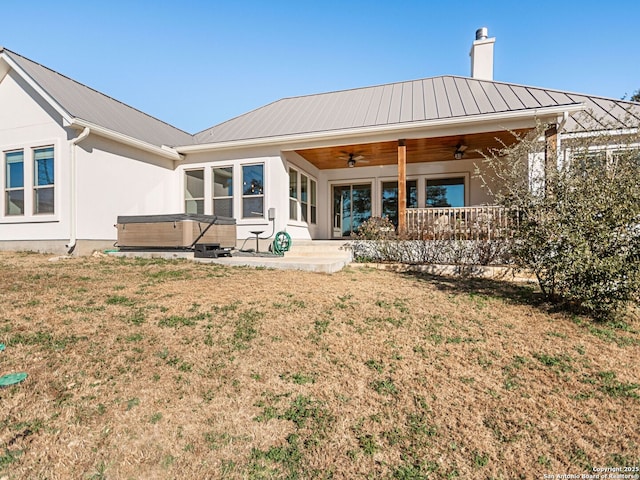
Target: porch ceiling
418, 150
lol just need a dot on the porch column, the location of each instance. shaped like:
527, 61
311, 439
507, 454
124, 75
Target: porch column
402, 187
550, 154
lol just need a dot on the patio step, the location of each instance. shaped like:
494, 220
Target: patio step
319, 249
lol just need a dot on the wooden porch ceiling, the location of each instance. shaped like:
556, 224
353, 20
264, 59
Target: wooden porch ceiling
418, 150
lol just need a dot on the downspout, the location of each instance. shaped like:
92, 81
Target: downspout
73, 208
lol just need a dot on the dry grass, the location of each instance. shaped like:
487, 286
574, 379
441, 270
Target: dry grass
154, 369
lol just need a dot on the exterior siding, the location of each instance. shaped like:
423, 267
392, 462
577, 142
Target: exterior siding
26, 123
117, 180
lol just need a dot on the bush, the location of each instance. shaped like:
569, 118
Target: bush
579, 228
376, 241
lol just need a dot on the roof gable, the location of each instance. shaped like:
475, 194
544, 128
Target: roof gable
79, 101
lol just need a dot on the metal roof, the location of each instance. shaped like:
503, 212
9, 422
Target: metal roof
395, 104
437, 98
92, 106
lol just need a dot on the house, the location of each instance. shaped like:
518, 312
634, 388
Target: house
74, 159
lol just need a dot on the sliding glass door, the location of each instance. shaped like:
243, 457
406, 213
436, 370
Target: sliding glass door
351, 207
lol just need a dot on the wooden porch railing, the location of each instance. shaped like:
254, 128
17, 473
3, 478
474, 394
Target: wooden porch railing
489, 222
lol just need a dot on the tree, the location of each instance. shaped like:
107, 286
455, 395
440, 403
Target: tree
579, 215
636, 96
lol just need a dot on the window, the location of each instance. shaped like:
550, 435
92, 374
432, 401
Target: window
312, 201
223, 191
14, 183
304, 197
293, 194
390, 198
253, 191
445, 192
194, 191
43, 181
584, 161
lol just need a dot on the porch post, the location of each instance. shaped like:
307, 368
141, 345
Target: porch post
402, 187
550, 154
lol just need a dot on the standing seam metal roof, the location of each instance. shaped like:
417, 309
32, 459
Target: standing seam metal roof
422, 100
402, 103
92, 106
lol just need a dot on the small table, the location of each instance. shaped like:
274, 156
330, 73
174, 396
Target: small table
257, 233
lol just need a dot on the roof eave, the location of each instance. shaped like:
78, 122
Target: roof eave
399, 127
162, 150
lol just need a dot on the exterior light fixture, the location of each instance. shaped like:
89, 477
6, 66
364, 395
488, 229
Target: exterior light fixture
460, 148
351, 162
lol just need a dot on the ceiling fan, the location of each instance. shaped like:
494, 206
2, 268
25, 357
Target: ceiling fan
353, 158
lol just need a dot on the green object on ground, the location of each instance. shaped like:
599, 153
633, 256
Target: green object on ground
1, 347
281, 243
11, 379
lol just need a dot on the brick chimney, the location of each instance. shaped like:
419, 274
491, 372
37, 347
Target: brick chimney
482, 55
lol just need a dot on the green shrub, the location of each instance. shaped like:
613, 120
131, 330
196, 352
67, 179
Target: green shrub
579, 228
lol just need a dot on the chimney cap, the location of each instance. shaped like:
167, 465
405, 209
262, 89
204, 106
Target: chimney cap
482, 33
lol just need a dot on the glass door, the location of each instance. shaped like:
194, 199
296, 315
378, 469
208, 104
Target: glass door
351, 207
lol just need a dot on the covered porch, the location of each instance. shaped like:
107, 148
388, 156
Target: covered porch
426, 186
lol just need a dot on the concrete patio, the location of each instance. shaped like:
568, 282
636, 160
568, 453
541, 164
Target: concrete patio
323, 256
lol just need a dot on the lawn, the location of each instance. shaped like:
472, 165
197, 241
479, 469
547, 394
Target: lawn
159, 369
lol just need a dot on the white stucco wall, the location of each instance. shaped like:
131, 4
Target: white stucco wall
114, 179
27, 122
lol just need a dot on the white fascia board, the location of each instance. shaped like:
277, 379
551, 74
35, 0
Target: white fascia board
66, 116
597, 133
400, 129
164, 150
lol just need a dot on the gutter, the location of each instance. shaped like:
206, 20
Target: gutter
164, 150
73, 208
354, 132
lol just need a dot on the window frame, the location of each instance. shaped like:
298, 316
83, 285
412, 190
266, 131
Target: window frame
260, 194
313, 201
385, 180
301, 211
229, 198
450, 175
294, 185
7, 189
187, 198
37, 188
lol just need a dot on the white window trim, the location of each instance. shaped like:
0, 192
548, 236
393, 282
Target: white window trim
28, 216
212, 196
184, 187
422, 203
298, 201
35, 187
240, 218
387, 179
297, 214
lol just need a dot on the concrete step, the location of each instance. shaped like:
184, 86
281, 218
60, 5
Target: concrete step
309, 264
319, 249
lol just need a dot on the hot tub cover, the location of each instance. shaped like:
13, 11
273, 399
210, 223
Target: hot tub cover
176, 217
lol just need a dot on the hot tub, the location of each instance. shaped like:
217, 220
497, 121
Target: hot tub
177, 231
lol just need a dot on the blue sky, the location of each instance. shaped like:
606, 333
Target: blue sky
197, 63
